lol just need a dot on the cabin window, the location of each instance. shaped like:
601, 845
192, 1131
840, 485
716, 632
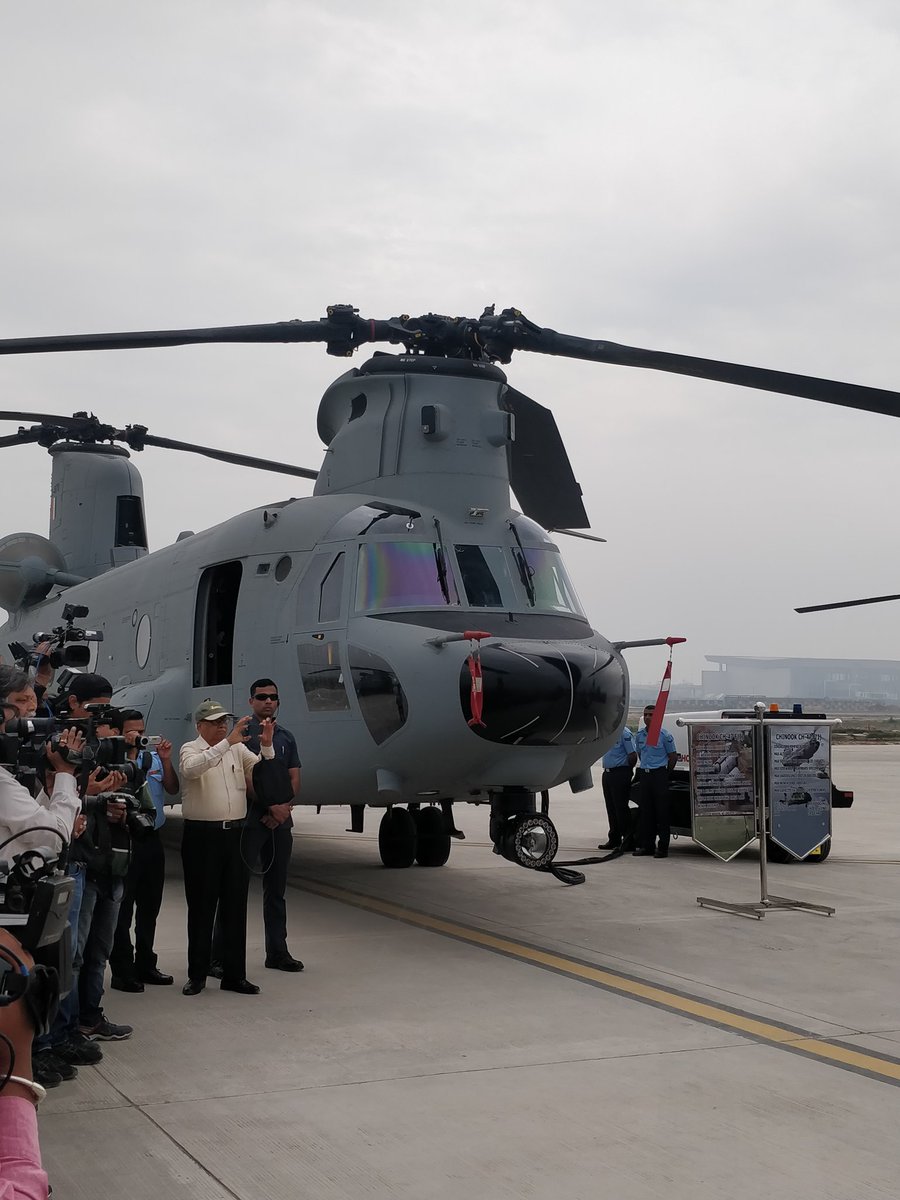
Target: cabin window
323, 679
382, 701
320, 592
217, 597
403, 575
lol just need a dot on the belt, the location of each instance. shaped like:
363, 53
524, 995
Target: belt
238, 824
647, 770
620, 767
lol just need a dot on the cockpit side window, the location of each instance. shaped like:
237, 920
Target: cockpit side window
403, 575
550, 582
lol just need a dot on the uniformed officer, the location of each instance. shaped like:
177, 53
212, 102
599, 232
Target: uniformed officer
656, 765
618, 766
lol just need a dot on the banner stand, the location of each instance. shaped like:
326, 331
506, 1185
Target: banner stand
766, 902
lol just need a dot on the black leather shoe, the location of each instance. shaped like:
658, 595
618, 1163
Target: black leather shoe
641, 853
660, 854
284, 962
609, 845
126, 983
193, 987
156, 976
242, 986
216, 971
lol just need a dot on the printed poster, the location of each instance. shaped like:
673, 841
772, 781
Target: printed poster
723, 787
799, 763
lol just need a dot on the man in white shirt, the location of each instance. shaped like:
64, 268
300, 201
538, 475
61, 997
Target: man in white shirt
216, 771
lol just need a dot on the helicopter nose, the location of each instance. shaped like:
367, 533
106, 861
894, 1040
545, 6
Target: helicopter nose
546, 694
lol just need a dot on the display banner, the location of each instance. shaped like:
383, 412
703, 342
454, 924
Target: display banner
723, 787
799, 769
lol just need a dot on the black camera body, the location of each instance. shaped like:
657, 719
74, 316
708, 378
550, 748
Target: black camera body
35, 897
68, 642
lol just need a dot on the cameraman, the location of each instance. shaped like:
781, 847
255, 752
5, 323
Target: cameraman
105, 848
22, 1176
19, 811
134, 966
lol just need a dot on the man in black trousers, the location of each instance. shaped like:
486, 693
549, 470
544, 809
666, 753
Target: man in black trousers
268, 837
216, 771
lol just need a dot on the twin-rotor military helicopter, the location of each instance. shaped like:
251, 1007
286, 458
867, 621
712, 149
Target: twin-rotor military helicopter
428, 644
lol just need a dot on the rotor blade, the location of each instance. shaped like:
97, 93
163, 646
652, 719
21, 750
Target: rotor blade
23, 438
845, 604
540, 473
588, 537
240, 460
45, 418
829, 391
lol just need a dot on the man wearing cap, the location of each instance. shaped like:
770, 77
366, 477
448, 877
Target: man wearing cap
216, 772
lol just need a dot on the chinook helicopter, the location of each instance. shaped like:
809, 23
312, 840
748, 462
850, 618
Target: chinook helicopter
427, 642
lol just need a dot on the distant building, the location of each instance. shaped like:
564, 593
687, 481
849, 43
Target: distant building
873, 679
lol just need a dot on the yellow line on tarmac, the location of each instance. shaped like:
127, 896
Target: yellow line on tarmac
883, 1067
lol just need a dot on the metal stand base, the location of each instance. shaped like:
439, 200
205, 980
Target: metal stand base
759, 908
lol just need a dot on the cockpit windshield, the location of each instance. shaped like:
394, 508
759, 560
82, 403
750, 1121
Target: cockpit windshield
403, 575
550, 583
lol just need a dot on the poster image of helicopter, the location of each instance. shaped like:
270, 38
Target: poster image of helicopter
428, 643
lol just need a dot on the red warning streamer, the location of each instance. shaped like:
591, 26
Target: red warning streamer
659, 709
476, 694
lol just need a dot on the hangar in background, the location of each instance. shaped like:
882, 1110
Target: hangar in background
852, 679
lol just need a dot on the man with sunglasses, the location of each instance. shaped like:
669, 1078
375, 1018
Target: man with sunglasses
267, 838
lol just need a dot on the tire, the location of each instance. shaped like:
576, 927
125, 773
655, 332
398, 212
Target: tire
823, 851
433, 843
397, 838
776, 853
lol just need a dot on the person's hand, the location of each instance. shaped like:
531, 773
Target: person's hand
116, 811
164, 750
266, 731
269, 822
71, 741
15, 1023
279, 813
80, 825
111, 783
43, 672
239, 734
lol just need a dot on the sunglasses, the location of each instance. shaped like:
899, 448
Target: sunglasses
266, 696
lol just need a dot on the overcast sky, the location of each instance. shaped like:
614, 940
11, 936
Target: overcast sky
712, 179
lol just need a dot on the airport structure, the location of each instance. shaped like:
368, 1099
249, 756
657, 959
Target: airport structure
853, 680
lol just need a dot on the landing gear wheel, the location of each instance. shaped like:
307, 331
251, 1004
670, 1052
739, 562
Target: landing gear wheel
530, 840
433, 844
397, 838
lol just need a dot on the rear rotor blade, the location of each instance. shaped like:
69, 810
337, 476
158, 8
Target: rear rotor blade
240, 460
845, 604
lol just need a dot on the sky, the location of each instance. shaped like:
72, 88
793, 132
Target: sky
721, 180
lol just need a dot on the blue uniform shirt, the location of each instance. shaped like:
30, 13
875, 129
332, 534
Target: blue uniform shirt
618, 756
157, 791
654, 756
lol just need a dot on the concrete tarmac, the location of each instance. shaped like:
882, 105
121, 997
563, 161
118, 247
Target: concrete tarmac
479, 1031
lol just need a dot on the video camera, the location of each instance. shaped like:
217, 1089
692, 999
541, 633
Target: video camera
35, 898
23, 742
67, 648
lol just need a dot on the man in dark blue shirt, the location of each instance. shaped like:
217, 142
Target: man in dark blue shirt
266, 838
